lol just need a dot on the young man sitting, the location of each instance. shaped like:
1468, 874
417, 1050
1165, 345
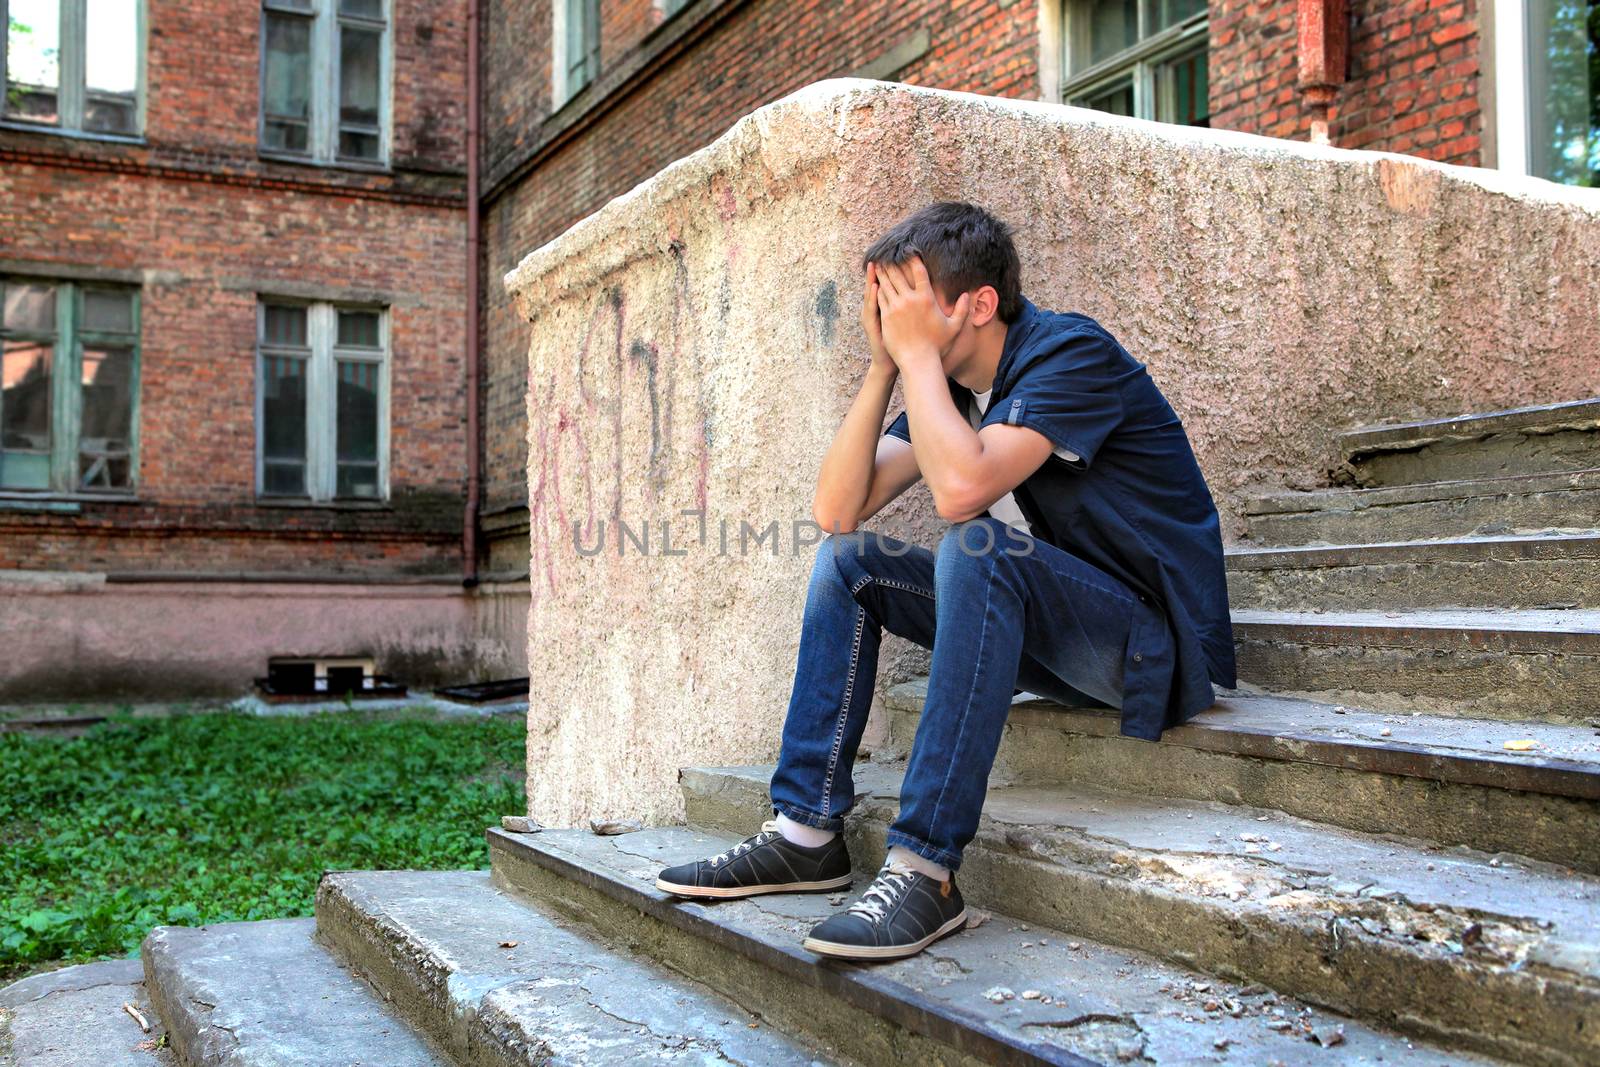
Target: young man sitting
1084, 564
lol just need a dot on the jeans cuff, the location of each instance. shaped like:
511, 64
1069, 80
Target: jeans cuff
809, 818
938, 855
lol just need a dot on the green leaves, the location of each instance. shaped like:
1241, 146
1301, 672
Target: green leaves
220, 817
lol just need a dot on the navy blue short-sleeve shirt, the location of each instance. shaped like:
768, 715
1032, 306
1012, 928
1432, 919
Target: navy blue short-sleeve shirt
1134, 503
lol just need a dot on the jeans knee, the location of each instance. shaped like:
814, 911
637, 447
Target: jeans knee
974, 545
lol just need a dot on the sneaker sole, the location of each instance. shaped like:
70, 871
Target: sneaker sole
724, 892
882, 952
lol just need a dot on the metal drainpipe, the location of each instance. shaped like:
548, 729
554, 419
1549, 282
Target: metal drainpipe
469, 528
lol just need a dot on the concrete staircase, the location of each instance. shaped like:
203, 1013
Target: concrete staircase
1342, 862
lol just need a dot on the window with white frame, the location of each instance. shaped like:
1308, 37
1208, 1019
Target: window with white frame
1145, 58
69, 369
325, 80
74, 65
576, 47
322, 401
1563, 42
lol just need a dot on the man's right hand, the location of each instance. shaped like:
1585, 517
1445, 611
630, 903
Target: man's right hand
873, 328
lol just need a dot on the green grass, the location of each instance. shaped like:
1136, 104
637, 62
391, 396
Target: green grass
217, 817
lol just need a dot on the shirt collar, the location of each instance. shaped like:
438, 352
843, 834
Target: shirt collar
1016, 334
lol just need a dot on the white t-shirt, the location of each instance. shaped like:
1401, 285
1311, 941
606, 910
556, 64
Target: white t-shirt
1005, 509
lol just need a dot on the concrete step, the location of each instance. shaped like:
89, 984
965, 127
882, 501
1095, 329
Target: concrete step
1497, 954
1528, 571
496, 982
1512, 665
265, 992
1564, 502
1445, 779
1548, 437
74, 1017
1005, 991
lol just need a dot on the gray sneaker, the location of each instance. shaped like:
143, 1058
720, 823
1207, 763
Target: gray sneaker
901, 913
765, 863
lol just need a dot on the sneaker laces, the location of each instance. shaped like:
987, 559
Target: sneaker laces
769, 830
886, 890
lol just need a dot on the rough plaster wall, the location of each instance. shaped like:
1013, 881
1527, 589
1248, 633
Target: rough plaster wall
693, 345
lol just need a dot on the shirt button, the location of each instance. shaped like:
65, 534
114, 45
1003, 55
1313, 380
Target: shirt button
1138, 657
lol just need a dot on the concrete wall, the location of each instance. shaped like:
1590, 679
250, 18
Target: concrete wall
693, 344
79, 637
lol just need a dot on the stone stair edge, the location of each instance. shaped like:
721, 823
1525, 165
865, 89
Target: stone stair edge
444, 946
1508, 769
1331, 498
1554, 544
1098, 886
995, 959
1579, 414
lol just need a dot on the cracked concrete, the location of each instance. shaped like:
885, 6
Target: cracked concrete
264, 994
1067, 992
73, 1017
496, 982
1496, 951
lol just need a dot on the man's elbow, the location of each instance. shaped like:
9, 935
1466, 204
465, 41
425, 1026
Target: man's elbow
830, 522
959, 503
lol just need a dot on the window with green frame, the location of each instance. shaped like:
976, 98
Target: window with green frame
73, 65
69, 382
1145, 58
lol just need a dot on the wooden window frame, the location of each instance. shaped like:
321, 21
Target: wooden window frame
66, 393
322, 133
72, 91
321, 355
1141, 60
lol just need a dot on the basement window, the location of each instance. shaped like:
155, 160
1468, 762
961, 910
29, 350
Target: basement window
325, 80
69, 370
74, 66
322, 402
1146, 59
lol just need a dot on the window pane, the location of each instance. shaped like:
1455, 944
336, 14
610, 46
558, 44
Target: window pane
1564, 90
358, 90
111, 65
1181, 90
577, 44
25, 415
1118, 99
1164, 13
104, 445
29, 307
286, 92
1102, 28
107, 311
372, 9
358, 329
285, 326
33, 59
357, 443
283, 430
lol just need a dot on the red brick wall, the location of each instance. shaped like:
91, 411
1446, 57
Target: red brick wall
208, 225
758, 51
1413, 79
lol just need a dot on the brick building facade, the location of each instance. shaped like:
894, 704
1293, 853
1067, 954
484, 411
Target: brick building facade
1445, 79
271, 208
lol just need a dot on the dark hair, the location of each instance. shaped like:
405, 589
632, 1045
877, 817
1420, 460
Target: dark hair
964, 248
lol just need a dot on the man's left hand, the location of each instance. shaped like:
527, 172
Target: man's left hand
914, 326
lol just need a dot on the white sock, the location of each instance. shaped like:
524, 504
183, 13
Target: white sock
918, 863
798, 833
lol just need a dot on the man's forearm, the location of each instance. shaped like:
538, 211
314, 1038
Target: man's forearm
845, 480
948, 449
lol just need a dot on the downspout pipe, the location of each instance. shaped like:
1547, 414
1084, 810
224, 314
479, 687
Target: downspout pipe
469, 521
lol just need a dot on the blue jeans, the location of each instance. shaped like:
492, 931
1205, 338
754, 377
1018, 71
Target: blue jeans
1000, 611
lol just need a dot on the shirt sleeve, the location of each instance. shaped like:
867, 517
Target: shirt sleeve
1071, 393
900, 427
